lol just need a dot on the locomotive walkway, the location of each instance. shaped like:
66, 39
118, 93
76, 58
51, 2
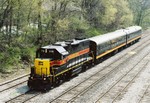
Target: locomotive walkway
123, 78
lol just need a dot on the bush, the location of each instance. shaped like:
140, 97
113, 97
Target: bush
15, 57
27, 54
9, 58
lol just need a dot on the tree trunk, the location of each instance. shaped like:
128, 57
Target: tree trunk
39, 23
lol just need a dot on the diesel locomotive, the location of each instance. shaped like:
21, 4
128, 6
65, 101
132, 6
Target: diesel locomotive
60, 61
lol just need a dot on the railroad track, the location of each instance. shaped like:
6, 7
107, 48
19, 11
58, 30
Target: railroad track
13, 83
24, 97
140, 101
10, 81
102, 75
30, 94
131, 75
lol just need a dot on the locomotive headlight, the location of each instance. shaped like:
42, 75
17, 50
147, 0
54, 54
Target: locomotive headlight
44, 78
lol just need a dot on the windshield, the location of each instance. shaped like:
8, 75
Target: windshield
44, 53
48, 54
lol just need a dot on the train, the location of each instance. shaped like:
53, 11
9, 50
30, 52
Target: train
62, 60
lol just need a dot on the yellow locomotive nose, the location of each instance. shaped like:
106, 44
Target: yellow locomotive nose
42, 67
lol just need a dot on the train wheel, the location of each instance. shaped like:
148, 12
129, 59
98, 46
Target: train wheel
84, 68
46, 88
57, 82
101, 60
113, 53
29, 84
68, 76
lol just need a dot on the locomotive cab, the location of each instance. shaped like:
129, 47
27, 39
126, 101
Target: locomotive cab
47, 58
42, 62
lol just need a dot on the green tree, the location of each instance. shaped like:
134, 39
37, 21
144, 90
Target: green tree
141, 11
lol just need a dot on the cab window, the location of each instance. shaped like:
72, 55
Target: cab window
48, 54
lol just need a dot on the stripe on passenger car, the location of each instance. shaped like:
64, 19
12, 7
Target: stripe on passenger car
109, 51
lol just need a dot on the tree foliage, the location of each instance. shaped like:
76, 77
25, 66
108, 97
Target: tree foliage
141, 11
29, 24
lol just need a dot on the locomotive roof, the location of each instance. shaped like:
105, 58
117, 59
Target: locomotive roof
60, 49
71, 42
107, 37
59, 46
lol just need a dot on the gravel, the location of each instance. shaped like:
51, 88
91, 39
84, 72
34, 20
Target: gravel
13, 92
137, 88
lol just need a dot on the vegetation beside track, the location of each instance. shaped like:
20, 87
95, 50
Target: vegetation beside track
25, 25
